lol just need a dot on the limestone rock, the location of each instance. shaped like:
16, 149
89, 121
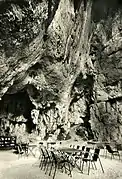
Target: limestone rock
62, 59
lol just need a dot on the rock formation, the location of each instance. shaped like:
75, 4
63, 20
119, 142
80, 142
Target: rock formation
61, 59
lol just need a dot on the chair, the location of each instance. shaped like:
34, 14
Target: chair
22, 150
60, 162
83, 148
84, 156
43, 158
67, 157
112, 152
49, 160
79, 155
78, 147
75, 147
91, 159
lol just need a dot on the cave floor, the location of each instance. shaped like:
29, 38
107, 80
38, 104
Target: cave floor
27, 168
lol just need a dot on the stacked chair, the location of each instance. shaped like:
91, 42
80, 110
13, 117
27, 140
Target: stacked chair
51, 160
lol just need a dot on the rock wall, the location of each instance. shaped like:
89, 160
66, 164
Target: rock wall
106, 49
66, 57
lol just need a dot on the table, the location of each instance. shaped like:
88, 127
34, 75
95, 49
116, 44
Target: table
69, 150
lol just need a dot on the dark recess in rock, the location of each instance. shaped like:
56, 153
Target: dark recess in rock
18, 104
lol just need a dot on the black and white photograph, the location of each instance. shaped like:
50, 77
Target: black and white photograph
60, 89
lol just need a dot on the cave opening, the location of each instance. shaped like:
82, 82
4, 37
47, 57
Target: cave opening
16, 104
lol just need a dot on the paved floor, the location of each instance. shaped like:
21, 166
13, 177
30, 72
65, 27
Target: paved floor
27, 168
